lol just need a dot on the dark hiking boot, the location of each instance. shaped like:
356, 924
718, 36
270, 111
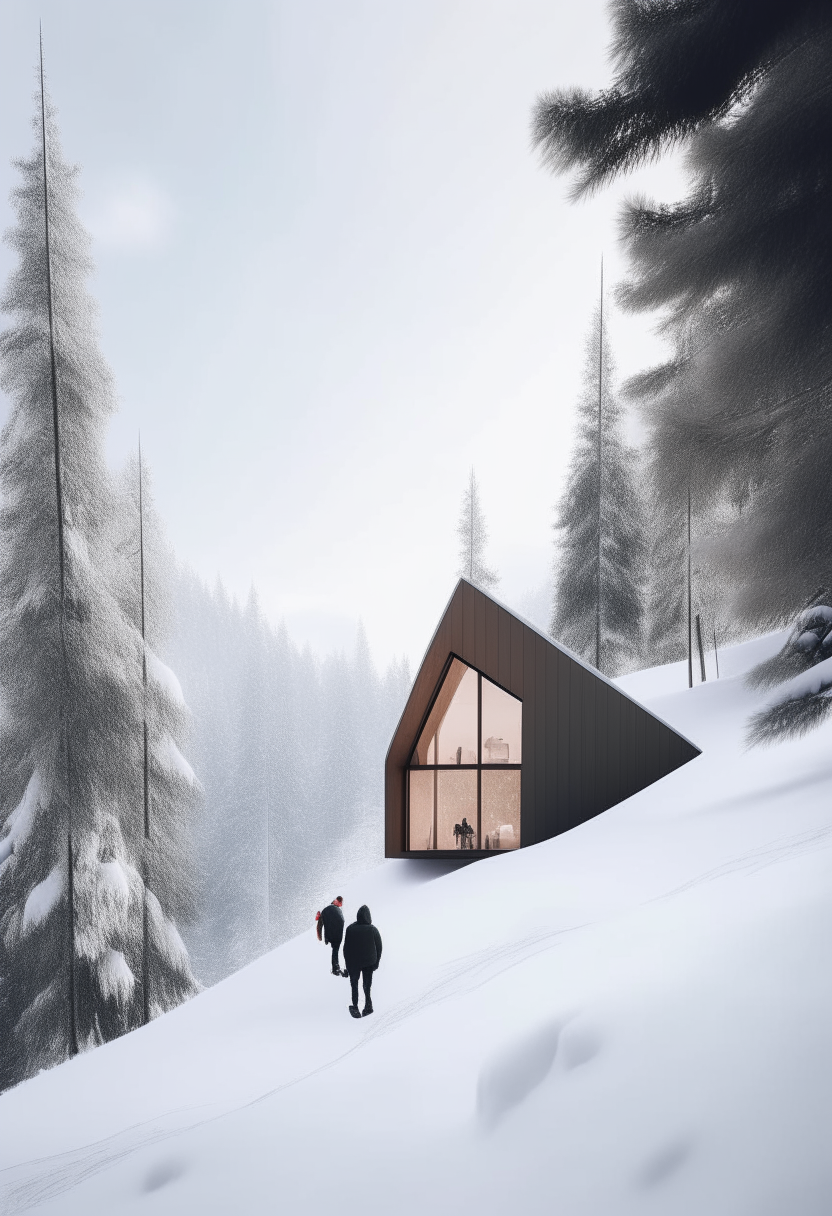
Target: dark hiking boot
346, 974
367, 1010
354, 1011
336, 970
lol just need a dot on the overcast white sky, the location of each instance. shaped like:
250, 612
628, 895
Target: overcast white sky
332, 278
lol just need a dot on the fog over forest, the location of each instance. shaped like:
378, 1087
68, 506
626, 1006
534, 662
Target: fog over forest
289, 748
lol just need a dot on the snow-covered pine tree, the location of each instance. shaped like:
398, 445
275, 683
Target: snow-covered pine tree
71, 893
473, 538
803, 672
169, 788
744, 259
599, 573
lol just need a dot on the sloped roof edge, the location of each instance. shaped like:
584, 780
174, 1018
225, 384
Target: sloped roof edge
546, 638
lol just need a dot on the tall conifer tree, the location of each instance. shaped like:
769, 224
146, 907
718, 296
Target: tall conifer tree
597, 609
169, 790
71, 892
739, 268
473, 538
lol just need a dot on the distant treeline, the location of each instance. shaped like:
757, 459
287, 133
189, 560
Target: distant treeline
289, 749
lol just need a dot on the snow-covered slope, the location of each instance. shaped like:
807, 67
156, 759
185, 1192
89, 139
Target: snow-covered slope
632, 1018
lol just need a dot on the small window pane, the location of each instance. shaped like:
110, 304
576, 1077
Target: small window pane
421, 809
425, 750
457, 734
456, 826
502, 725
501, 808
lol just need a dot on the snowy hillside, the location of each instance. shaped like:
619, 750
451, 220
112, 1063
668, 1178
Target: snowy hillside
632, 1018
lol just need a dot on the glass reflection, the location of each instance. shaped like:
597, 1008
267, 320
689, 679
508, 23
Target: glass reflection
463, 796
456, 813
501, 809
457, 733
502, 725
450, 732
421, 809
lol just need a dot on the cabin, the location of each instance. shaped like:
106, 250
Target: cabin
508, 739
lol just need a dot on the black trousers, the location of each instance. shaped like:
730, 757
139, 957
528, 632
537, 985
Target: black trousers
336, 946
366, 974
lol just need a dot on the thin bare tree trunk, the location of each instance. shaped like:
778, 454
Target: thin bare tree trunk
690, 598
716, 653
600, 475
701, 648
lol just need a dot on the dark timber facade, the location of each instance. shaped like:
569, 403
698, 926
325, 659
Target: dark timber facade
507, 739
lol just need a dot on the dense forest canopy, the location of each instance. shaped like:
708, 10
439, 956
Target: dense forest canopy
739, 270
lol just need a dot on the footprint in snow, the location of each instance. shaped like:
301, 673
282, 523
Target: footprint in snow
579, 1044
662, 1164
507, 1079
162, 1173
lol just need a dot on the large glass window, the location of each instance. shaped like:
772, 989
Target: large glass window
502, 725
464, 778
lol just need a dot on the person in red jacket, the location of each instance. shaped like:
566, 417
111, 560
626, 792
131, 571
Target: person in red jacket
331, 924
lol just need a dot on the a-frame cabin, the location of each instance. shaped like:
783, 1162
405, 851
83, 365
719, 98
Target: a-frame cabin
508, 739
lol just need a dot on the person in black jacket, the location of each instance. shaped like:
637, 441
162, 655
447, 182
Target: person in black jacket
331, 923
362, 954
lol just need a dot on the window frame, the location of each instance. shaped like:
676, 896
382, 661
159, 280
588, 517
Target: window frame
478, 767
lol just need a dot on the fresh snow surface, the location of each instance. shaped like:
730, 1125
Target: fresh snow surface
633, 1018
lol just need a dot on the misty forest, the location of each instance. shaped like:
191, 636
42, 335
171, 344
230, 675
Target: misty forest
181, 783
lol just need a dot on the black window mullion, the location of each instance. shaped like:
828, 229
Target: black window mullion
479, 760
435, 792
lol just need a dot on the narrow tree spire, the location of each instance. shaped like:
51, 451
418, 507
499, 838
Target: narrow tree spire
59, 509
145, 779
53, 362
473, 538
471, 530
597, 608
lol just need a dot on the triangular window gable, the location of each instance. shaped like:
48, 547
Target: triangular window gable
464, 772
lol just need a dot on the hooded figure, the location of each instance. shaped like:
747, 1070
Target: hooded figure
362, 954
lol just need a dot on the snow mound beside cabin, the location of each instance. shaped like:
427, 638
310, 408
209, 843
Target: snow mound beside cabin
631, 1018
